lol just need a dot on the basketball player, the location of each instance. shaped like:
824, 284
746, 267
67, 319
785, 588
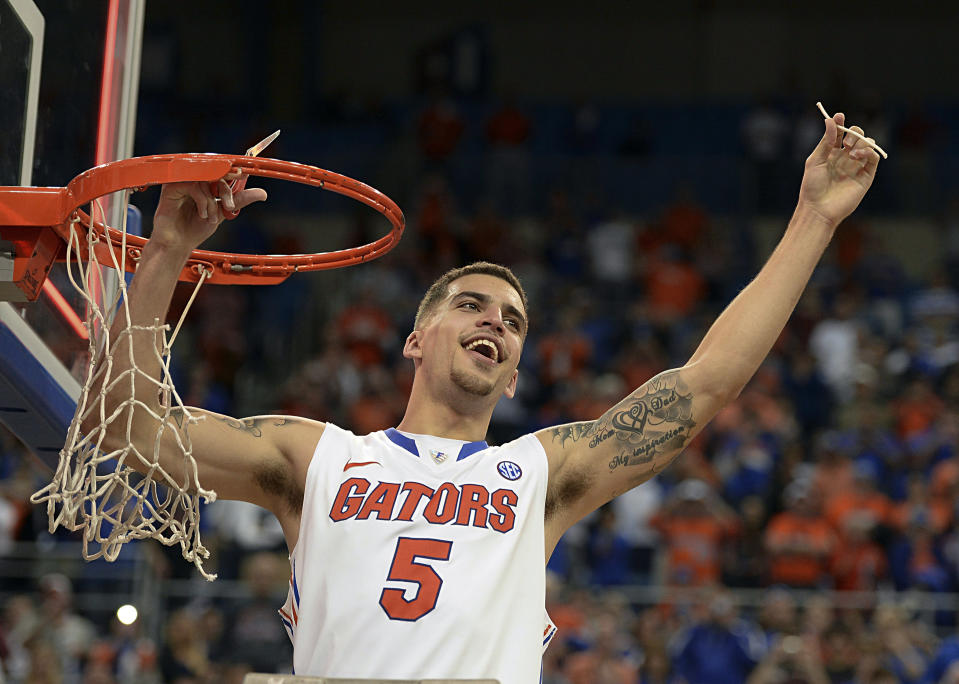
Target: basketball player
419, 551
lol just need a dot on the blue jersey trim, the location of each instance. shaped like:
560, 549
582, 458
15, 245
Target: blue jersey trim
404, 442
470, 449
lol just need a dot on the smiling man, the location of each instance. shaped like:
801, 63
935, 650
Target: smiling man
420, 551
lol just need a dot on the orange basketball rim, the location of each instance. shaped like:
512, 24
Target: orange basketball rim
39, 222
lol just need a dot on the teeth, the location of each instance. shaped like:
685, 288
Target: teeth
493, 350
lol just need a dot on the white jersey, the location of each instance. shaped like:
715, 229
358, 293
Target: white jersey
420, 558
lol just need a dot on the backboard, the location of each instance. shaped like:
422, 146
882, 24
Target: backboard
70, 70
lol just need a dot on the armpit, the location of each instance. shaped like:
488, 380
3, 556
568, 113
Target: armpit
276, 479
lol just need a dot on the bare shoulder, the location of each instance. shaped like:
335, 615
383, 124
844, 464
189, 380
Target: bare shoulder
260, 459
296, 437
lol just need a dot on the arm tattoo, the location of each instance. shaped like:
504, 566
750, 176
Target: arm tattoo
654, 419
572, 432
252, 425
177, 415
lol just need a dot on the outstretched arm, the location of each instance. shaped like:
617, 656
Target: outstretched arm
239, 459
591, 462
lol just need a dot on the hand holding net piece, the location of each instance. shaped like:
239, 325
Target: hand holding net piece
109, 483
870, 143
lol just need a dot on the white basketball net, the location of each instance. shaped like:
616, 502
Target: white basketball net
95, 488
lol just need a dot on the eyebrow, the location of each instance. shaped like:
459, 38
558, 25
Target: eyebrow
486, 300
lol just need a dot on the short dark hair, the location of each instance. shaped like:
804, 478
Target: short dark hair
440, 288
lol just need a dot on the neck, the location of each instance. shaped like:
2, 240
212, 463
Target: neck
466, 419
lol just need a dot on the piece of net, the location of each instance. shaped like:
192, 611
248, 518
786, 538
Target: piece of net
109, 485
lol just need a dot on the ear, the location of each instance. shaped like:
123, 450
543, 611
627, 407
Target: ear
411, 348
510, 390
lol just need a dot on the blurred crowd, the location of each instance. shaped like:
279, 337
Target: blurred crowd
836, 469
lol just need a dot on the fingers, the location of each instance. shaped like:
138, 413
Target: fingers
850, 140
247, 197
217, 200
830, 140
860, 152
858, 156
859, 148
225, 193
233, 195
872, 159
202, 196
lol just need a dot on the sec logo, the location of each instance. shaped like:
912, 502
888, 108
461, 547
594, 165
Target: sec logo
509, 470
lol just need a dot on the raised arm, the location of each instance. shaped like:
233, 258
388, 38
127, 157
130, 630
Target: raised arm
593, 461
248, 459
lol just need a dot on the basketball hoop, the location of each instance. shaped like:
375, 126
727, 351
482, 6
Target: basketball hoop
95, 489
59, 210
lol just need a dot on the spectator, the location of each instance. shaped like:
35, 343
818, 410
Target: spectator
19, 621
488, 236
674, 287
68, 633
657, 668
253, 638
916, 559
610, 245
46, 663
184, 658
508, 131
243, 529
366, 330
694, 524
810, 395
634, 511
840, 653
870, 507
745, 562
935, 513
799, 540
123, 656
565, 352
917, 408
607, 551
834, 471
901, 656
943, 662
835, 344
777, 616
607, 660
764, 136
818, 615
790, 659
439, 129
723, 649
858, 563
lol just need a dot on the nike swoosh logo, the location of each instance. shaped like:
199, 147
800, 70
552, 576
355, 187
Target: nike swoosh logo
360, 463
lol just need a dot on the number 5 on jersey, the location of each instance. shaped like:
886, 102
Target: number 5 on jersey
406, 569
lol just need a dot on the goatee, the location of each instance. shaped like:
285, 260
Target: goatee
471, 383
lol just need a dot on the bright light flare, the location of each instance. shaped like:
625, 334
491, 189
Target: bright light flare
127, 614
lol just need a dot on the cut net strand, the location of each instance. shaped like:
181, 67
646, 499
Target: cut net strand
109, 483
870, 143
